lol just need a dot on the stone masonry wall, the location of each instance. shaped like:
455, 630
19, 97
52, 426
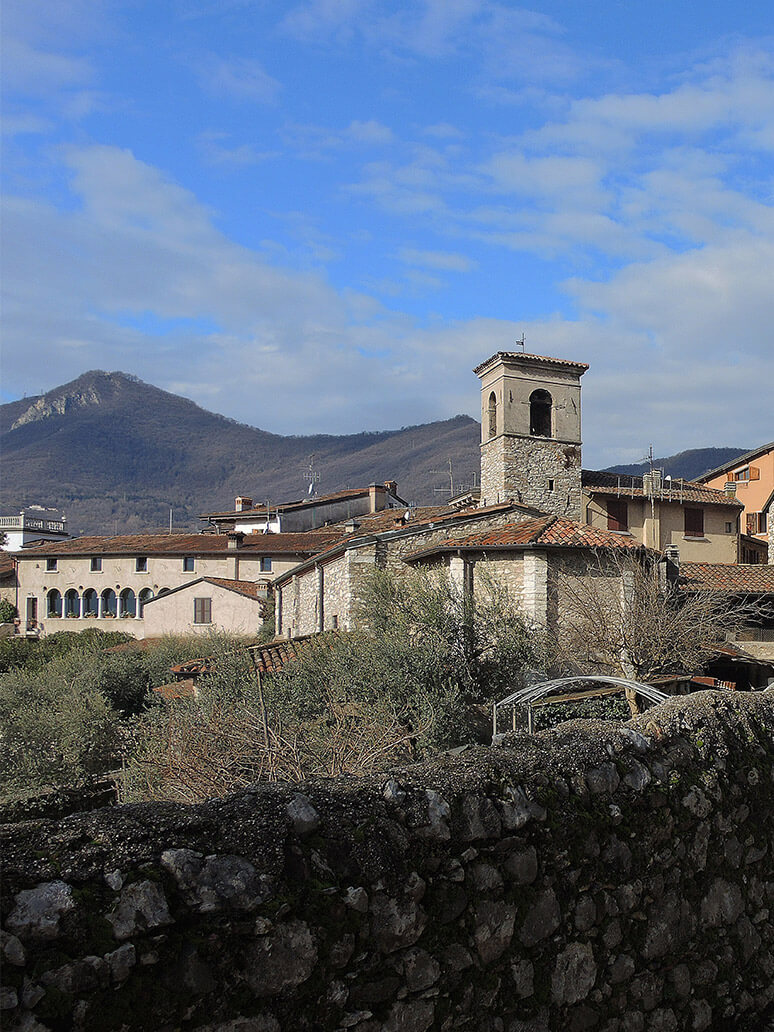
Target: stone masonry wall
519, 469
606, 877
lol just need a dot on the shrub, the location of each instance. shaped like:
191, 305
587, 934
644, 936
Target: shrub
55, 727
8, 611
412, 683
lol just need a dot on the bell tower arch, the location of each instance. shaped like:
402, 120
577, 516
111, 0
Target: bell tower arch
531, 431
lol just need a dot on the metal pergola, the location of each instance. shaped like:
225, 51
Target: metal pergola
532, 695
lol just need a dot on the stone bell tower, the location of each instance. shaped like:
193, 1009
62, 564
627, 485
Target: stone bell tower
531, 432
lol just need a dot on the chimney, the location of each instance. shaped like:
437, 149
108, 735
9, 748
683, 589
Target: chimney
392, 486
351, 526
729, 488
669, 567
375, 502
242, 502
235, 540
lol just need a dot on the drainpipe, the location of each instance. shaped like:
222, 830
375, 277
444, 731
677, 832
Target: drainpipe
320, 599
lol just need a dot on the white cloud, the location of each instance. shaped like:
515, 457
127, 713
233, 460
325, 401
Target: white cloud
237, 77
443, 260
215, 149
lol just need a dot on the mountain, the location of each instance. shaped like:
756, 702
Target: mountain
115, 454
686, 464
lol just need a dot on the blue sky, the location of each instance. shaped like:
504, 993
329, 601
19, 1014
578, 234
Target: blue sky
319, 216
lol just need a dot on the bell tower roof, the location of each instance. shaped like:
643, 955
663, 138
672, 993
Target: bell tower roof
516, 357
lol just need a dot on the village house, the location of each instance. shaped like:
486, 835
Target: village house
751, 477
307, 513
98, 581
701, 521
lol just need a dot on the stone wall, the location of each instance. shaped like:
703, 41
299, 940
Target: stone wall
523, 469
606, 877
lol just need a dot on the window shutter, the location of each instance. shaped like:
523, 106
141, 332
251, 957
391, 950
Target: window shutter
694, 522
617, 514
755, 473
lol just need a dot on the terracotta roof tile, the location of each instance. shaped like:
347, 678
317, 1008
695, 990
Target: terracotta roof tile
553, 531
276, 654
177, 690
251, 589
301, 543
726, 577
680, 491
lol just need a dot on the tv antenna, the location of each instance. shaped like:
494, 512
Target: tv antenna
312, 476
443, 473
520, 343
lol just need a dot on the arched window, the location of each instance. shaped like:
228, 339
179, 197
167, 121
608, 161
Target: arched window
128, 603
540, 403
492, 414
54, 603
109, 602
72, 603
145, 596
89, 603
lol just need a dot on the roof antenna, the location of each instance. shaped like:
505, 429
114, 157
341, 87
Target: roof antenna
521, 342
313, 477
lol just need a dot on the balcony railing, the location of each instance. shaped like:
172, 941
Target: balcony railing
24, 522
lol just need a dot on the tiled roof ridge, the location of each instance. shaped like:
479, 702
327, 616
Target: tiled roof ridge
535, 358
260, 510
161, 544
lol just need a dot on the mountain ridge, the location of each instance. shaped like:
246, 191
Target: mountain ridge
116, 454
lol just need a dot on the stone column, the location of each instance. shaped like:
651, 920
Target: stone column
535, 591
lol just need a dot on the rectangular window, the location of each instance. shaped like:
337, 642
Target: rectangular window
96, 564
266, 564
763, 522
51, 565
202, 610
729, 528
752, 523
742, 474
141, 564
189, 564
617, 514
694, 522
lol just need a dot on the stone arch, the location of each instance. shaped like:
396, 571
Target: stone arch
109, 602
145, 596
72, 603
492, 414
90, 603
128, 603
54, 603
540, 413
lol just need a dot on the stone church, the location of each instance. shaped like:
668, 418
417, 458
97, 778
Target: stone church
526, 531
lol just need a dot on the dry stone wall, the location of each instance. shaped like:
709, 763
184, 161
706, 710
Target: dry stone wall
607, 877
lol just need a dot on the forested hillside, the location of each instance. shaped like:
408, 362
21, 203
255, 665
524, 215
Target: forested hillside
116, 453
